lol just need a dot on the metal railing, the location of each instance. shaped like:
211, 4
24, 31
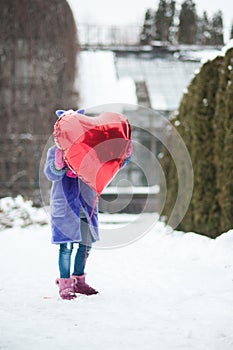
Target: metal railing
110, 35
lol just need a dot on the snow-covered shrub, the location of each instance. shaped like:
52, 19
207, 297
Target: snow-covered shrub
18, 212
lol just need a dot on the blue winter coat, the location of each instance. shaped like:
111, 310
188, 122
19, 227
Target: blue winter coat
68, 195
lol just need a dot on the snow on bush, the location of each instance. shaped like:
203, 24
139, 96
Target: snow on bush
228, 46
19, 212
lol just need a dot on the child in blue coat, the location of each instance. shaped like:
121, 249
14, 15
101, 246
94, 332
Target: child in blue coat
74, 219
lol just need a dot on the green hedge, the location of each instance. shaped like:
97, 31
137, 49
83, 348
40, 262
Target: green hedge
205, 122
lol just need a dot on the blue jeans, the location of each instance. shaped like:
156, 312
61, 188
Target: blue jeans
82, 253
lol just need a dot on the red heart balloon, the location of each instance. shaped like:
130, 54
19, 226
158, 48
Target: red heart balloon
94, 147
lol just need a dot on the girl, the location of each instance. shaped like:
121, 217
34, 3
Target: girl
74, 219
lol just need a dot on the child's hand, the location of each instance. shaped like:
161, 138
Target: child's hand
59, 161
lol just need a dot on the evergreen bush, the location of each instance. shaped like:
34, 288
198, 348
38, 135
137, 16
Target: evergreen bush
205, 122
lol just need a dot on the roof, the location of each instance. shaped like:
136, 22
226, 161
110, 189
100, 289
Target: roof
108, 77
166, 78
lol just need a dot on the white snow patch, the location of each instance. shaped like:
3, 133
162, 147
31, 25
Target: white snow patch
98, 83
177, 123
210, 55
227, 47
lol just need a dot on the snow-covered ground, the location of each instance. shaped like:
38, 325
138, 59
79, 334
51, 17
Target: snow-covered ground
166, 291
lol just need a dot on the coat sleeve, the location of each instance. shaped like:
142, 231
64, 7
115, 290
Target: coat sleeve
50, 171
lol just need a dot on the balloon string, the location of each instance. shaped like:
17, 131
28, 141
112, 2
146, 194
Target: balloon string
88, 229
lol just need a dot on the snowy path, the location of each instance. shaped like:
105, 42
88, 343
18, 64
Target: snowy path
164, 292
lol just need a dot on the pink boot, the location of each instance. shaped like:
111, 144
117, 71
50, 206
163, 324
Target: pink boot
82, 287
66, 287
